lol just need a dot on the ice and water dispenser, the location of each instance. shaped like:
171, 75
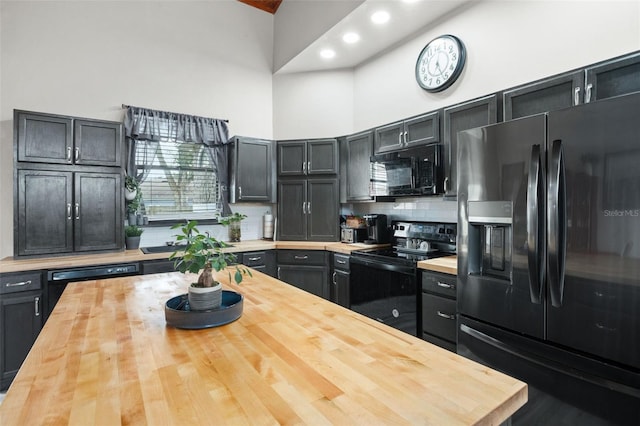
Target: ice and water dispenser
490, 238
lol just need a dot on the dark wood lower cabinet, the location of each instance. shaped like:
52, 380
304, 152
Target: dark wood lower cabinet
305, 269
439, 309
21, 319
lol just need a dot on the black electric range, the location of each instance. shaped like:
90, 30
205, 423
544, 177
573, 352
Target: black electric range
413, 242
384, 282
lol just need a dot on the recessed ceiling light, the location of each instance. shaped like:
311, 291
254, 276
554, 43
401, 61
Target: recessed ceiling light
380, 17
327, 53
351, 38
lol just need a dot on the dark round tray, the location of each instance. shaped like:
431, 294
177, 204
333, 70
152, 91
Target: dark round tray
178, 314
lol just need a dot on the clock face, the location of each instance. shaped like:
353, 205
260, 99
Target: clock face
440, 63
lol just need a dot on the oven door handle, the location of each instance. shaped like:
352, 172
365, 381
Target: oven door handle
377, 264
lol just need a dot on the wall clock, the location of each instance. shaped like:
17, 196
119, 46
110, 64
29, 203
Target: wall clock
440, 63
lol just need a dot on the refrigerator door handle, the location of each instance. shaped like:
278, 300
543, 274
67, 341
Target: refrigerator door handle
535, 232
557, 223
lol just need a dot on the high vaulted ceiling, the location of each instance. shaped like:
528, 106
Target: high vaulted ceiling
270, 6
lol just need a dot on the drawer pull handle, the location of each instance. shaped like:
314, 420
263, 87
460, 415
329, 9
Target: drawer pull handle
69, 211
447, 316
77, 154
254, 259
77, 211
68, 154
341, 262
20, 284
333, 279
445, 285
37, 306
305, 257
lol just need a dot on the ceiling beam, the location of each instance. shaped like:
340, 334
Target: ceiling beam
270, 6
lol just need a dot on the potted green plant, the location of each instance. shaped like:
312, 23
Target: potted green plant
233, 223
132, 195
132, 237
131, 187
201, 253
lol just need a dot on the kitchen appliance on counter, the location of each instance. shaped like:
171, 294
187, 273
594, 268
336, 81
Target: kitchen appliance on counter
377, 231
384, 282
549, 262
353, 235
417, 171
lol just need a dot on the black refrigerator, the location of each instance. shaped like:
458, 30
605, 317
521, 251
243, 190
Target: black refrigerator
549, 259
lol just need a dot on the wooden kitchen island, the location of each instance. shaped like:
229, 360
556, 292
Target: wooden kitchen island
107, 357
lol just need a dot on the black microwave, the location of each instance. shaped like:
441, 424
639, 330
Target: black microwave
413, 172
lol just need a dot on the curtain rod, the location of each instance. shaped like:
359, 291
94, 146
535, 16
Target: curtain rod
169, 112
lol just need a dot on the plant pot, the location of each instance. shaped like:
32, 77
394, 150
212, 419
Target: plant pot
132, 243
205, 298
130, 195
235, 232
132, 218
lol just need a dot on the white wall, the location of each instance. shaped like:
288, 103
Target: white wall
313, 105
85, 59
508, 43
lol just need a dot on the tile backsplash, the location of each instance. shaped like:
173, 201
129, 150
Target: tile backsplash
425, 209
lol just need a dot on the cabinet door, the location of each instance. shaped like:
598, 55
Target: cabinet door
475, 113
340, 288
21, 322
359, 150
292, 158
43, 212
548, 95
422, 130
389, 138
292, 217
322, 157
43, 138
312, 279
323, 209
613, 78
253, 172
98, 211
97, 143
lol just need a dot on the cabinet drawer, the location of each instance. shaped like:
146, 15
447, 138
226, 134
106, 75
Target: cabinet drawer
20, 281
254, 258
302, 257
439, 316
341, 262
438, 283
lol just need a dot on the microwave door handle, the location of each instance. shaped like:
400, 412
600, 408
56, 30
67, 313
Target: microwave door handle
535, 232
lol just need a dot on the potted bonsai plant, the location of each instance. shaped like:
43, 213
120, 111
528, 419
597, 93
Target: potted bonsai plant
202, 253
233, 223
132, 237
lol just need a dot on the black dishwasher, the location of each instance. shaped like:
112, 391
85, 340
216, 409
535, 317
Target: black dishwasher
58, 279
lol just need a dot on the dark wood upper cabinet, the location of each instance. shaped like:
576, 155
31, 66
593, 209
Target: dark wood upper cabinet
97, 143
308, 157
464, 116
616, 77
421, 130
252, 171
359, 151
57, 139
292, 217
551, 94
69, 194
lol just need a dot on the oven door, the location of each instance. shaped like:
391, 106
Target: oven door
385, 292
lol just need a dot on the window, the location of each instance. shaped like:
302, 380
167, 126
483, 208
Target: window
179, 180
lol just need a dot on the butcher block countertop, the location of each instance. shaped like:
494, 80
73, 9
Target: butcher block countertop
106, 356
446, 265
10, 264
